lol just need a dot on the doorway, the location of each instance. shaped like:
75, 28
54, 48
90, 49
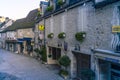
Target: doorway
83, 62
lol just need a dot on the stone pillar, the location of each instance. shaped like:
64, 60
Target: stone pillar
24, 50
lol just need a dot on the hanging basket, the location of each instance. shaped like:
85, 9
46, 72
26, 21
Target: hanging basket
61, 35
51, 35
80, 36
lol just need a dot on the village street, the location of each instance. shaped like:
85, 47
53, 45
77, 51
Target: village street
18, 67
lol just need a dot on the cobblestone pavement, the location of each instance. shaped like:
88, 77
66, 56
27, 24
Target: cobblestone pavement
19, 67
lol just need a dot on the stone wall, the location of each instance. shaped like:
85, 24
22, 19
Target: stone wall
96, 22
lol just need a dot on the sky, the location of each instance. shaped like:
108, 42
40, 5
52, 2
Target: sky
16, 9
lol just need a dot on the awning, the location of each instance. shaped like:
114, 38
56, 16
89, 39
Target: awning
107, 55
27, 39
20, 40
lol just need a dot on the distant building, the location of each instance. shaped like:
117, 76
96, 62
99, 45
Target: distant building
2, 19
6, 22
43, 6
19, 35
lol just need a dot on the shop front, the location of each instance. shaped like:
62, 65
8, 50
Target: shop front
20, 45
28, 48
53, 55
24, 45
107, 65
83, 62
11, 45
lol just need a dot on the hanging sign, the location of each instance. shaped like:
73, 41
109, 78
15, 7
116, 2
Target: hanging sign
116, 29
41, 27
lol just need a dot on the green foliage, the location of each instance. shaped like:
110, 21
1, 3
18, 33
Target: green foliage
80, 36
63, 72
51, 35
64, 61
87, 74
60, 2
49, 8
49, 55
44, 54
38, 51
61, 35
38, 14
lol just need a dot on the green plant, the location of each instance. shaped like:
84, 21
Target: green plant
87, 74
44, 54
80, 36
38, 51
61, 35
63, 72
51, 35
64, 61
49, 8
38, 14
60, 2
49, 55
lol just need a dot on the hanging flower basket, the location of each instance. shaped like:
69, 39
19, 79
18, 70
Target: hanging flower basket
51, 35
60, 2
80, 36
61, 35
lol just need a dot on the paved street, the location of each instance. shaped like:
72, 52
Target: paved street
19, 67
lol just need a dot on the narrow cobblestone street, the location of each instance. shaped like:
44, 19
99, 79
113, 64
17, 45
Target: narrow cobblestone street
19, 67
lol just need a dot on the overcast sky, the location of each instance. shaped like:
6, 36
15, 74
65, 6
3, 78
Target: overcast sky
16, 9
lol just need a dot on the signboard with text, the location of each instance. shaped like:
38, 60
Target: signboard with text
41, 27
116, 29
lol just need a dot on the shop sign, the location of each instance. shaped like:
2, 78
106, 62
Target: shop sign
41, 27
41, 36
116, 29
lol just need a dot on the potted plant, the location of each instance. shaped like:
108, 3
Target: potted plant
38, 52
60, 2
61, 35
51, 35
49, 8
43, 54
64, 73
80, 36
49, 55
64, 61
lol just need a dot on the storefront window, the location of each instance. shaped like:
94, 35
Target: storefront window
104, 69
56, 53
115, 72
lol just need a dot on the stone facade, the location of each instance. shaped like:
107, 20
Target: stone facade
24, 33
96, 22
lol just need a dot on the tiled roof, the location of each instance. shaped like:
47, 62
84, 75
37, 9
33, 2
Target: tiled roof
27, 22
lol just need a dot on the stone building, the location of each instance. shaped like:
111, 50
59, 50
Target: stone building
19, 36
24, 32
5, 22
96, 19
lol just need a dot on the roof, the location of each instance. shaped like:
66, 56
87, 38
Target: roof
27, 22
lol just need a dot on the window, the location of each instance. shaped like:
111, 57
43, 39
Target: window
55, 52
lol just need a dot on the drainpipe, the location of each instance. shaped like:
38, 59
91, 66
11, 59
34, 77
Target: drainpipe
44, 34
